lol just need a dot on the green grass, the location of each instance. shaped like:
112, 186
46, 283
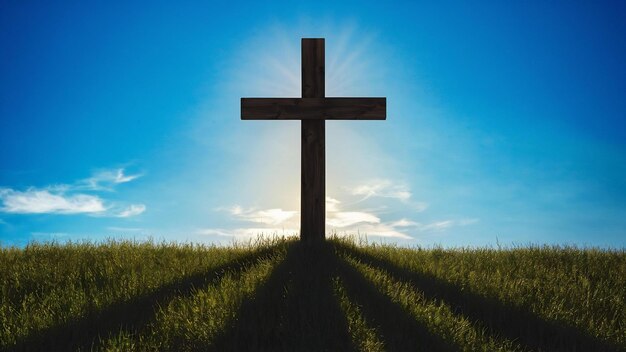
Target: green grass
285, 295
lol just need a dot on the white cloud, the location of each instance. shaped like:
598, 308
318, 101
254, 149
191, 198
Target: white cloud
132, 210
274, 216
404, 223
71, 198
337, 218
332, 204
35, 201
396, 229
105, 180
236, 210
380, 230
442, 225
270, 216
387, 189
438, 225
349, 218
350, 222
381, 188
347, 222
121, 178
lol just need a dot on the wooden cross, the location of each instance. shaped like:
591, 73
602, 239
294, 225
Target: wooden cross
313, 109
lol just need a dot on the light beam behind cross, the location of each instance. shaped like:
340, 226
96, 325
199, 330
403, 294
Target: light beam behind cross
313, 109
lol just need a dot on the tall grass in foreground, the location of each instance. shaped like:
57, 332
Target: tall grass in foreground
538, 296
58, 290
285, 295
193, 323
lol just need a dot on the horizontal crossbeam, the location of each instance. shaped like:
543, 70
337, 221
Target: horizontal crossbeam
313, 108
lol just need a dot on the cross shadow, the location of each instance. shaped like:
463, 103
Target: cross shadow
294, 310
401, 332
133, 315
514, 323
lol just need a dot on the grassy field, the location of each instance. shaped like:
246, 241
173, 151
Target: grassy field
283, 295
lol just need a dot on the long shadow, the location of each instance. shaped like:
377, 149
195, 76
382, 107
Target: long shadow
294, 310
514, 323
400, 331
131, 315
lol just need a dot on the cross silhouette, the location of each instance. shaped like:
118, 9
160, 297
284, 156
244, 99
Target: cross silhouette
313, 109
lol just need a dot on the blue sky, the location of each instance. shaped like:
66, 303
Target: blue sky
505, 122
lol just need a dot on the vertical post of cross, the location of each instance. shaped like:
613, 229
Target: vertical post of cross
313, 163
313, 109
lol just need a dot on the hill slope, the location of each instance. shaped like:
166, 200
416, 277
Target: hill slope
284, 295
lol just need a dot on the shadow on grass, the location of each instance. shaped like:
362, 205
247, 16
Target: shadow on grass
514, 323
400, 331
133, 315
294, 310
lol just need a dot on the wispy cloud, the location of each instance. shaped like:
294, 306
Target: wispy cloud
435, 226
105, 180
358, 221
350, 218
385, 188
281, 222
336, 219
381, 230
332, 204
132, 210
36, 201
402, 228
274, 216
381, 188
404, 223
71, 198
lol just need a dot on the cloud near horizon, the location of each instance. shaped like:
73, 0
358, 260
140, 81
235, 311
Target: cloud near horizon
385, 188
249, 232
273, 216
350, 218
336, 219
381, 188
276, 221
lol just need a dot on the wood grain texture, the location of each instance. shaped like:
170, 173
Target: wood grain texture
313, 68
313, 181
313, 163
313, 108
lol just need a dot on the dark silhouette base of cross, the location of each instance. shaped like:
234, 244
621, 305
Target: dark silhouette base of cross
313, 109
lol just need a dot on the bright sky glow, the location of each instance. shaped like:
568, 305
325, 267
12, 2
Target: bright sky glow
506, 122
